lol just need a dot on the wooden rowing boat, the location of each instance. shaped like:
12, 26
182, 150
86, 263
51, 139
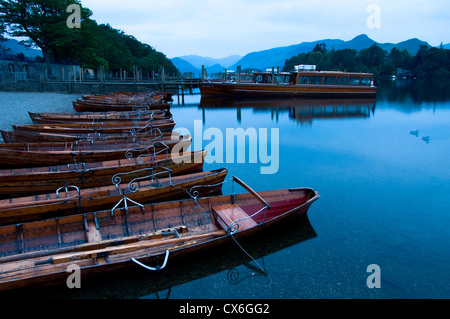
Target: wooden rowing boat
36, 136
89, 106
130, 97
92, 117
145, 189
101, 128
46, 252
124, 101
18, 182
60, 153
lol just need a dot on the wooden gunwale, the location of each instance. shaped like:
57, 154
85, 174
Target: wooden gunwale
60, 153
105, 128
24, 209
38, 180
46, 118
84, 106
36, 136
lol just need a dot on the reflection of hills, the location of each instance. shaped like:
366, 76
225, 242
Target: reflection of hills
199, 265
304, 110
411, 94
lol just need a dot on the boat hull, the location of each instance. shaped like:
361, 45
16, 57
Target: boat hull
36, 136
47, 179
97, 128
210, 89
49, 154
84, 106
48, 118
32, 208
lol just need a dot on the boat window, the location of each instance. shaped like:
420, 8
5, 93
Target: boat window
341, 80
316, 80
353, 81
259, 78
329, 80
304, 80
283, 79
365, 81
328, 110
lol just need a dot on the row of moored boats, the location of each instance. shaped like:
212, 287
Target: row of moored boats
112, 186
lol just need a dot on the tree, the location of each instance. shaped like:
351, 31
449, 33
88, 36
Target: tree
432, 62
372, 56
44, 23
346, 59
320, 47
2, 30
400, 59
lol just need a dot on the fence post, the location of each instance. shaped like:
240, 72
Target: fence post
239, 74
163, 79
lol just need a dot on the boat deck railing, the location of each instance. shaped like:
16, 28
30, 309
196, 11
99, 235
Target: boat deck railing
129, 153
153, 176
133, 186
165, 148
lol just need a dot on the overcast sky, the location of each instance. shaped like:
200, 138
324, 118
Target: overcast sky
219, 28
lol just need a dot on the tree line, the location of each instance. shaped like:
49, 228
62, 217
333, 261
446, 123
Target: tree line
44, 24
427, 63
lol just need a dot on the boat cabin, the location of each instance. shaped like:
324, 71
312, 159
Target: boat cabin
269, 77
332, 78
315, 78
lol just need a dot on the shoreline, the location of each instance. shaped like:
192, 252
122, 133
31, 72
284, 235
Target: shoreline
14, 106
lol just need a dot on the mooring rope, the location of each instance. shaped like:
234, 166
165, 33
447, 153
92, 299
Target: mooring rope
194, 195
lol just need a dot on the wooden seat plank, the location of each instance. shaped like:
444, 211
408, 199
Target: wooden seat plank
230, 213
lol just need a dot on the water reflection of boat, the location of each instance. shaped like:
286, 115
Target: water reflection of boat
239, 268
302, 110
229, 259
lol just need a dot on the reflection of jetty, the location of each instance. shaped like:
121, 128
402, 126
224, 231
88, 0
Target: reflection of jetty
302, 110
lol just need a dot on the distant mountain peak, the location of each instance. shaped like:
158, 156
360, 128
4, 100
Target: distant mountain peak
198, 61
362, 36
276, 57
15, 47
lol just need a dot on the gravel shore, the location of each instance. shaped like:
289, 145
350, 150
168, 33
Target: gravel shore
14, 106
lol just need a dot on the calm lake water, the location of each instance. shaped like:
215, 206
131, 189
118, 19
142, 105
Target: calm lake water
382, 170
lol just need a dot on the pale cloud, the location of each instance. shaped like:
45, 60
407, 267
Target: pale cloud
220, 28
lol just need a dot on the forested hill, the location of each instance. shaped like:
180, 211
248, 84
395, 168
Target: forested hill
428, 62
277, 56
45, 24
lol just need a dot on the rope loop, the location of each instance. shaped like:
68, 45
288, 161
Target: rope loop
157, 268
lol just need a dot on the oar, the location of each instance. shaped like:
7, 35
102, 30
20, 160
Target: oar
99, 253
